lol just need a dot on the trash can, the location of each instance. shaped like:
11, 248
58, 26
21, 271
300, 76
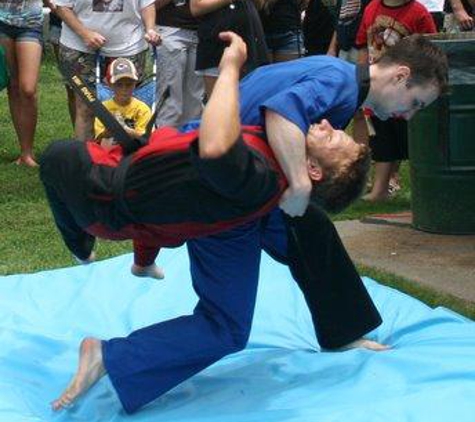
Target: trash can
442, 147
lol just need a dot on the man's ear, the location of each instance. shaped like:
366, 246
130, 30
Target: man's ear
315, 172
402, 74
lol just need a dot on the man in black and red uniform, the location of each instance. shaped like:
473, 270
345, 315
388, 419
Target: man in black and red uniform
185, 185
179, 187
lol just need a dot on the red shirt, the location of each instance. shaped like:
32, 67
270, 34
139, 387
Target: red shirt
383, 26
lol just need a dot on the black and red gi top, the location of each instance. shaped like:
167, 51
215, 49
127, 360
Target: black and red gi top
165, 193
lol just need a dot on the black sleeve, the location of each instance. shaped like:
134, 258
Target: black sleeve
242, 174
58, 156
341, 308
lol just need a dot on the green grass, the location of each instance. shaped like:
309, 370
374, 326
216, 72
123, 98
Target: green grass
29, 241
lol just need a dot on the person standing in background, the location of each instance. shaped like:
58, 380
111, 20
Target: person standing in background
21, 34
177, 60
121, 29
384, 24
319, 25
216, 16
55, 24
282, 23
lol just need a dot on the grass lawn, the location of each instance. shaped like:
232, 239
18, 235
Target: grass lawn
29, 241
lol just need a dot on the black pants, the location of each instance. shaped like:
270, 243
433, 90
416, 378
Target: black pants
64, 168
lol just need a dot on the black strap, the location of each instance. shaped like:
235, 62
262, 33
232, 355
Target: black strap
151, 122
364, 81
81, 88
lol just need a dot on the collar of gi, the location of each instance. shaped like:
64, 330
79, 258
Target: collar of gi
362, 77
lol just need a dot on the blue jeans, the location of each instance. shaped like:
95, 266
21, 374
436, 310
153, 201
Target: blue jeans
21, 34
289, 42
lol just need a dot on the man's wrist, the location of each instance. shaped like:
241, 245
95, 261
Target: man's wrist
229, 71
303, 186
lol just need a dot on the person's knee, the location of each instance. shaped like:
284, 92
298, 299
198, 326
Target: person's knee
83, 109
28, 92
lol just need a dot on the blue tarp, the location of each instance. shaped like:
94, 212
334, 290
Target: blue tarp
428, 376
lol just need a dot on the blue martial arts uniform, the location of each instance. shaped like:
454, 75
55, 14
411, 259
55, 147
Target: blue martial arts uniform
225, 267
303, 91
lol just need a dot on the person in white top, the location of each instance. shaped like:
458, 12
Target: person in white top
116, 28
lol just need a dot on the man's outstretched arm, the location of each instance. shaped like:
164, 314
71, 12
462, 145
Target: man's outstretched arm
220, 125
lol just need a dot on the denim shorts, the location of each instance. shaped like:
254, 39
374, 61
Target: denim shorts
18, 34
285, 42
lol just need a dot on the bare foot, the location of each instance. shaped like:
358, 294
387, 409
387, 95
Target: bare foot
27, 160
364, 343
152, 271
90, 370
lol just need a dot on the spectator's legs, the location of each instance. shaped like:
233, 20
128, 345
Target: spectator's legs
69, 91
24, 60
82, 64
193, 87
388, 147
84, 124
382, 175
176, 61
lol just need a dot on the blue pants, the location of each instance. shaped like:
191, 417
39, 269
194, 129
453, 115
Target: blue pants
225, 269
154, 359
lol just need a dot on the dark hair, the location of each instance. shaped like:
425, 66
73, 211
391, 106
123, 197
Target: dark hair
340, 187
427, 61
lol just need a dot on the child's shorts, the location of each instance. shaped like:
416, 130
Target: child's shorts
390, 142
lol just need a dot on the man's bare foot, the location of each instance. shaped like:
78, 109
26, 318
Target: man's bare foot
152, 271
90, 370
27, 160
364, 343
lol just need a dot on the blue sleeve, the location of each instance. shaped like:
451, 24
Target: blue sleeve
306, 102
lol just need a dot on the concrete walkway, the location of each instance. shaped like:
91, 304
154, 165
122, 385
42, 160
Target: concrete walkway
443, 262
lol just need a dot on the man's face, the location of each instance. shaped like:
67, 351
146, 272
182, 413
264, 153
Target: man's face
400, 99
330, 148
